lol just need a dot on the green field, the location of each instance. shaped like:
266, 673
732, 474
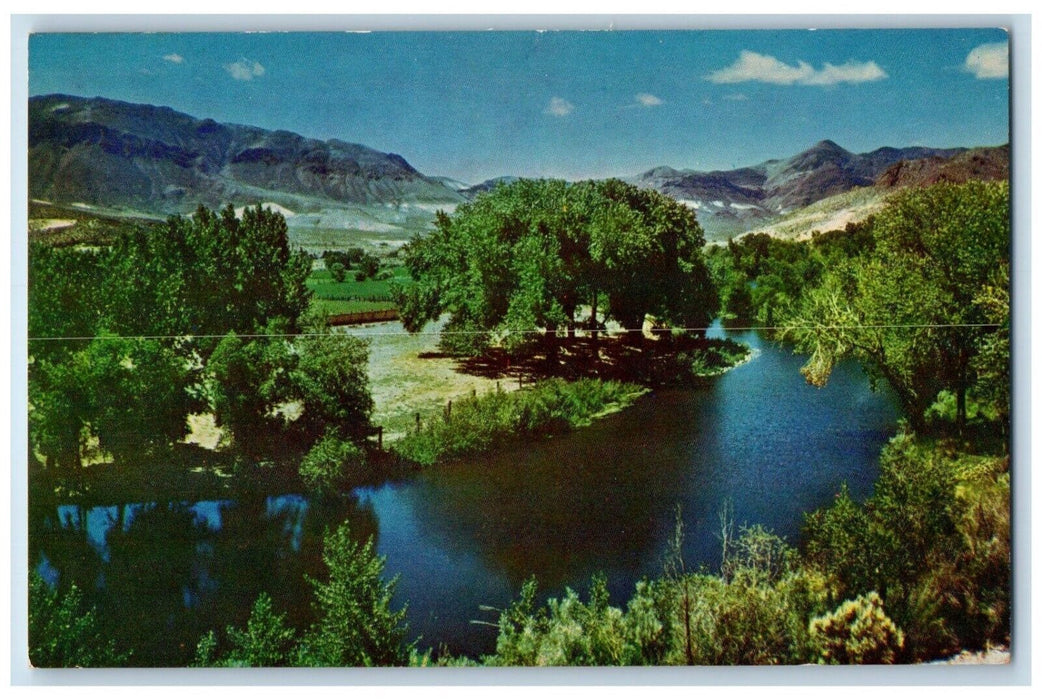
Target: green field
322, 285
331, 307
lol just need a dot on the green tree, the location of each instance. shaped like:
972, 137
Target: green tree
58, 411
64, 632
249, 381
265, 642
330, 379
992, 363
526, 258
338, 272
356, 623
137, 395
65, 302
142, 316
912, 310
368, 266
129, 393
207, 274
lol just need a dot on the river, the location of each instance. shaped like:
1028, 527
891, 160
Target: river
757, 441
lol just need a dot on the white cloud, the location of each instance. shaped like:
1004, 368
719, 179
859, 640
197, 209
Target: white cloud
755, 67
244, 69
174, 58
849, 72
646, 99
988, 61
559, 107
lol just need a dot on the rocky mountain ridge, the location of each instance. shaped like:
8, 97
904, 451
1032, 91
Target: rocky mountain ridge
155, 159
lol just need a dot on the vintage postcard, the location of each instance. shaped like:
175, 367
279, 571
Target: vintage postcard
642, 347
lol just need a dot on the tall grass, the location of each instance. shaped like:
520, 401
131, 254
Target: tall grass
477, 424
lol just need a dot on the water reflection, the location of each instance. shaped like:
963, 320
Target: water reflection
162, 575
757, 439
465, 535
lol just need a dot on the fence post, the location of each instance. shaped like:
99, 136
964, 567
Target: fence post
380, 437
417, 421
448, 411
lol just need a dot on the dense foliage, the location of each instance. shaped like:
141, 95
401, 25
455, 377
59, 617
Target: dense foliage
64, 632
761, 280
932, 542
920, 296
203, 313
544, 255
921, 570
924, 308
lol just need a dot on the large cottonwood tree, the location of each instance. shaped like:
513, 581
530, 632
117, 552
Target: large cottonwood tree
920, 308
539, 256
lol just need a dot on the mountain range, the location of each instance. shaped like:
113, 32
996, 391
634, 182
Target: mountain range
154, 159
737, 200
148, 159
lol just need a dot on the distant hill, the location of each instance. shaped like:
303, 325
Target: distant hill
153, 159
734, 201
855, 205
974, 164
487, 186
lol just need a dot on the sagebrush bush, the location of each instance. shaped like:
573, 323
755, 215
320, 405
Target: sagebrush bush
857, 632
565, 632
933, 542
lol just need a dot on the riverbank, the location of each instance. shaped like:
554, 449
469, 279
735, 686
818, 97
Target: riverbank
481, 423
413, 386
469, 533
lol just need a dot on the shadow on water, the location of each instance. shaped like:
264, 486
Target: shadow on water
468, 534
757, 439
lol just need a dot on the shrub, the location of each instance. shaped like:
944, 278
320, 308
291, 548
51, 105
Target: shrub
266, 641
857, 632
64, 632
755, 612
566, 632
332, 462
933, 541
356, 625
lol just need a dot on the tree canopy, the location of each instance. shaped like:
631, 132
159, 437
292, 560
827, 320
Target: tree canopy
927, 305
200, 313
545, 255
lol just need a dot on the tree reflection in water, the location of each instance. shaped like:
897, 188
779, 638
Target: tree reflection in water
162, 574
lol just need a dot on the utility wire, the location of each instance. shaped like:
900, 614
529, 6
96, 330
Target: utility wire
371, 332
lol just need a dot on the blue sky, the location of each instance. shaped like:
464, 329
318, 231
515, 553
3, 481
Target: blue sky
474, 105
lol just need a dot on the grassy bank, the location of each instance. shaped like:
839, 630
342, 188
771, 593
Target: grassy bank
716, 357
479, 423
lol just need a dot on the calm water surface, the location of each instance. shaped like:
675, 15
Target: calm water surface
758, 439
